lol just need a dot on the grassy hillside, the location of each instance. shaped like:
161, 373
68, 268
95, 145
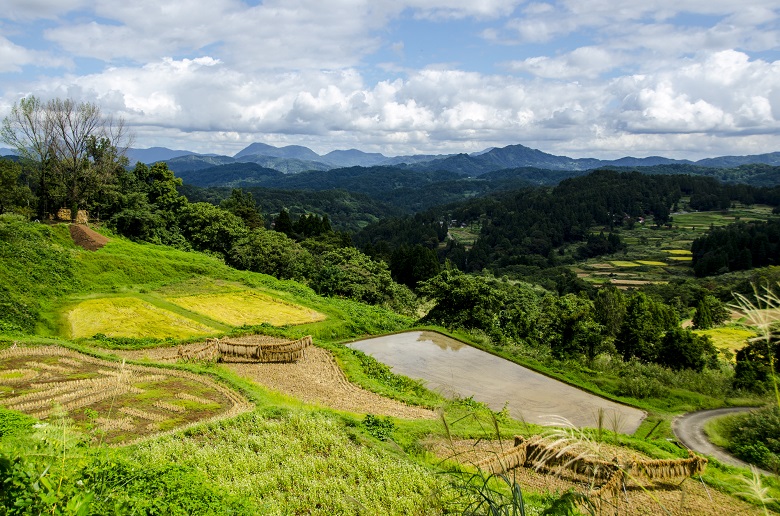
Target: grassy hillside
282, 457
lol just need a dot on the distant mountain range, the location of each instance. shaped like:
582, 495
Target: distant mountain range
293, 159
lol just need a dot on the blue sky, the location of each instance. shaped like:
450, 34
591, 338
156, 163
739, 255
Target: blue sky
601, 78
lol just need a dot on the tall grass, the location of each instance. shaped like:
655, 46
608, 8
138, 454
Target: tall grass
298, 463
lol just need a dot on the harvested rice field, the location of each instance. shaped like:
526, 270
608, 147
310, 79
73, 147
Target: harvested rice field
115, 402
130, 317
247, 308
640, 496
315, 379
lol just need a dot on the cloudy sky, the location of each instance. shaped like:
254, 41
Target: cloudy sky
601, 78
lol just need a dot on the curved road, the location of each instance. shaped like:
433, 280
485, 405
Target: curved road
689, 429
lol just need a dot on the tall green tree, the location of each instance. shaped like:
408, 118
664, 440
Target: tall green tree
273, 253
609, 309
645, 323
465, 301
13, 195
242, 204
348, 273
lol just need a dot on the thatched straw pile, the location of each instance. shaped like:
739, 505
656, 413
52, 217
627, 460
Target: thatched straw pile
260, 348
536, 453
82, 217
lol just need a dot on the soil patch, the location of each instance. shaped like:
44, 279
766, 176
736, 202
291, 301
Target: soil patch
86, 237
316, 379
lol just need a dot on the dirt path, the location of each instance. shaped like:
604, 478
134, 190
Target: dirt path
315, 379
689, 429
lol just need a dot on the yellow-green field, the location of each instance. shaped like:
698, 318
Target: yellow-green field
624, 263
728, 338
651, 262
681, 258
130, 317
680, 252
247, 308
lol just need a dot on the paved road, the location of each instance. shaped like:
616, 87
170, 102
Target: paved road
689, 429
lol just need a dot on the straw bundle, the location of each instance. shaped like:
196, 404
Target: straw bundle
669, 468
81, 215
264, 349
538, 454
208, 353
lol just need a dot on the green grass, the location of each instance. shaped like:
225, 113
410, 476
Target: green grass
284, 454
716, 430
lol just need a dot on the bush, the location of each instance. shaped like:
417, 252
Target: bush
755, 437
380, 427
641, 387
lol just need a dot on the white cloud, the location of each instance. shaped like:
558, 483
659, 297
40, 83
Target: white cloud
583, 62
13, 57
214, 76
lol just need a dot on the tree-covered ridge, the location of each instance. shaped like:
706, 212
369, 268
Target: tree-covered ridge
347, 211
528, 227
740, 246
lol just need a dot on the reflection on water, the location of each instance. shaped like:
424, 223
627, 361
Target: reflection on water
440, 340
456, 369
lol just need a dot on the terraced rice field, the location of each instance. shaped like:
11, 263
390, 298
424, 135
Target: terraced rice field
728, 338
203, 314
116, 402
247, 308
130, 317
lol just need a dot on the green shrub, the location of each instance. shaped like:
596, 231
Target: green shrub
380, 427
755, 437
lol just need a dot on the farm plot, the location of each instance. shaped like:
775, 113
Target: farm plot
726, 338
117, 403
247, 308
130, 317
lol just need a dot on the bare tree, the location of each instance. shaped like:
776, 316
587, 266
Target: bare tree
72, 142
29, 131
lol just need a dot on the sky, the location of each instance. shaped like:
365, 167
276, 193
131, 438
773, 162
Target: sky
581, 78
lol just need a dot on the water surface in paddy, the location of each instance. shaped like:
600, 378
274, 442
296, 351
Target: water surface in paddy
456, 369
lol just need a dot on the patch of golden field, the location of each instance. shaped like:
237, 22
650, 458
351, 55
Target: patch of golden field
247, 308
130, 317
624, 263
681, 258
651, 262
728, 338
678, 251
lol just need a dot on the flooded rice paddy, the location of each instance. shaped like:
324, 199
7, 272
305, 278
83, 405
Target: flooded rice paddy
455, 369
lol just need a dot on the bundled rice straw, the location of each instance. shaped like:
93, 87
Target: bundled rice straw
261, 348
540, 455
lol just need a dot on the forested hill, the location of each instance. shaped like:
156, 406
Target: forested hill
531, 226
